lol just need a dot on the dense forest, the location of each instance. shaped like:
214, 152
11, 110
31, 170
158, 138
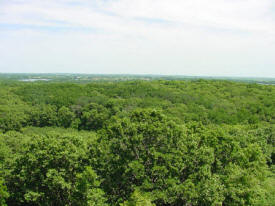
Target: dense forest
137, 143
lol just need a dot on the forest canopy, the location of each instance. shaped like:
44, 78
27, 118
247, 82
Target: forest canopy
135, 143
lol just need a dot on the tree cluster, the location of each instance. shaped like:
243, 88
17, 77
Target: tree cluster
137, 143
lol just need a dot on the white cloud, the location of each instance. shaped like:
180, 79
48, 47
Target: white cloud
217, 37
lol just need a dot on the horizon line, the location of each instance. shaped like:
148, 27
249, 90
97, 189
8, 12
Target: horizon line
129, 74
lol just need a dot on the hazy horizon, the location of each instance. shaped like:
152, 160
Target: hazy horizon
221, 38
125, 74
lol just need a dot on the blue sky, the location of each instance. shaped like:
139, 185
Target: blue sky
191, 37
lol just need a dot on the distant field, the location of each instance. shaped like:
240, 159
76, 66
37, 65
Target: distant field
121, 77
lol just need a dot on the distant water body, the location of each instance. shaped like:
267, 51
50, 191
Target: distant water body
34, 80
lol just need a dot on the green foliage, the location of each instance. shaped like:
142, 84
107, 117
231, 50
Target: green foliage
268, 190
137, 143
3, 193
142, 151
138, 199
65, 117
206, 101
94, 117
87, 189
13, 111
44, 116
49, 171
177, 165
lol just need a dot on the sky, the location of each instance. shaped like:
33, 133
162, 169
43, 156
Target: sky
169, 37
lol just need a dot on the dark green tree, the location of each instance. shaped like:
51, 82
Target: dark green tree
143, 151
65, 117
94, 117
51, 171
3, 193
